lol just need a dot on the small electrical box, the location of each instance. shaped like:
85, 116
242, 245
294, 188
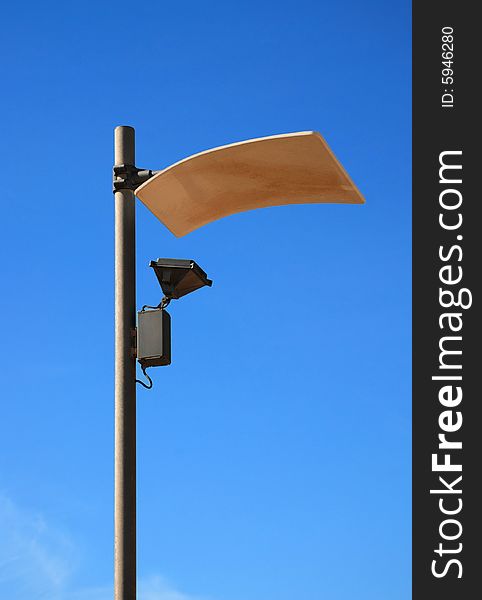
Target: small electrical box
154, 338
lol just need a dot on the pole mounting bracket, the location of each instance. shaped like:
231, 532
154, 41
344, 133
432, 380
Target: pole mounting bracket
129, 177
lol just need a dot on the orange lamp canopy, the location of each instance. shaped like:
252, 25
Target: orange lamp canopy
294, 168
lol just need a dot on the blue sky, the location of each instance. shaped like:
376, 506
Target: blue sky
274, 453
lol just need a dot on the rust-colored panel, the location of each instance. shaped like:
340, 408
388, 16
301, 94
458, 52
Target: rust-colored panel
295, 168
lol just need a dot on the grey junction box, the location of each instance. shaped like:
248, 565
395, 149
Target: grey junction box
154, 338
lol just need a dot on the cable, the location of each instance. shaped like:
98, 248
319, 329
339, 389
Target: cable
162, 304
148, 387
148, 306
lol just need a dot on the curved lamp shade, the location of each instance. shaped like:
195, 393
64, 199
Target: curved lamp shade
295, 168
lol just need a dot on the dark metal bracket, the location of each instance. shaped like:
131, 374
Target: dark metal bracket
129, 177
134, 342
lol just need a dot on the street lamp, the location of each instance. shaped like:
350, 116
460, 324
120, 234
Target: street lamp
177, 278
295, 168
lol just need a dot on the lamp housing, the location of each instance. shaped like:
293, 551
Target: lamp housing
178, 277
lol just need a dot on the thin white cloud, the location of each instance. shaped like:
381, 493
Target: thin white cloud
38, 561
35, 560
154, 587
157, 588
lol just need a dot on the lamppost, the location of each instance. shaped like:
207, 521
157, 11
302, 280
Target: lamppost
295, 168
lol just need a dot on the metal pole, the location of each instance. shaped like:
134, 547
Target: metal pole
125, 377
